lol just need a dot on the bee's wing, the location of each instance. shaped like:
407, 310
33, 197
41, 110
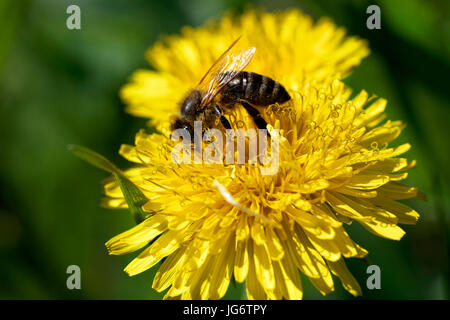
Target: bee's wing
225, 69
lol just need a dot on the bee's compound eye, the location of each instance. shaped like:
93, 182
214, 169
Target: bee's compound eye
187, 109
189, 105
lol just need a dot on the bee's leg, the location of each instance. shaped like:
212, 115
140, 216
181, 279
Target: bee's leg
255, 114
226, 124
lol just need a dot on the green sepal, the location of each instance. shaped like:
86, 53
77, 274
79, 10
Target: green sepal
133, 196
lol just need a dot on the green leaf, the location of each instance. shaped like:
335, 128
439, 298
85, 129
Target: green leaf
133, 196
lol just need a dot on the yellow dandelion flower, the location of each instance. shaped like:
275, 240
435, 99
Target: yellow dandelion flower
212, 222
335, 167
283, 40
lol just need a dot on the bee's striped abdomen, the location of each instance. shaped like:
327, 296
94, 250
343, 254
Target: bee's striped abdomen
256, 89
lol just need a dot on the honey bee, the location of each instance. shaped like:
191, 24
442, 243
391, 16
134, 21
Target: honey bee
224, 85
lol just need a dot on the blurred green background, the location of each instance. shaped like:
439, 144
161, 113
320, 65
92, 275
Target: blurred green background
60, 86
